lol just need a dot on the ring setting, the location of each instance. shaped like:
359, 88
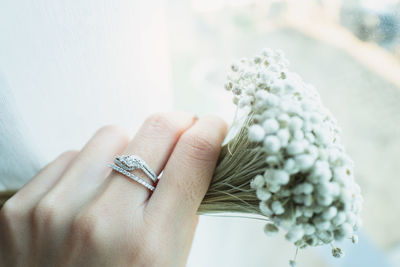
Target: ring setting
132, 162
124, 164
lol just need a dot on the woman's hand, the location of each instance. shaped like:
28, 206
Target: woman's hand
76, 212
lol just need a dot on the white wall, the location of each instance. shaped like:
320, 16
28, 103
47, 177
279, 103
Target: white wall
74, 66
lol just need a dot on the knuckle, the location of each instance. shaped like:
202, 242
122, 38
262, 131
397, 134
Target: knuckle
199, 147
143, 251
85, 227
11, 212
44, 212
113, 130
161, 122
68, 154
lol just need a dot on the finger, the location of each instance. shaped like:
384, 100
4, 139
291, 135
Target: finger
189, 170
77, 186
189, 238
153, 143
21, 204
81, 181
30, 194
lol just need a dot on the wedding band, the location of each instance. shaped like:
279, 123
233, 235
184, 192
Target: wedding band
132, 162
132, 176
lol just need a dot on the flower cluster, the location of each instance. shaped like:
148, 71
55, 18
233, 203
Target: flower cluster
308, 187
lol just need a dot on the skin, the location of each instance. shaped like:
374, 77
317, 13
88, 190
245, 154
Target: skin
76, 212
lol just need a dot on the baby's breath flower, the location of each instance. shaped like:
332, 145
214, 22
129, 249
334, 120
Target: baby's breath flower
307, 187
272, 144
295, 234
265, 209
337, 252
270, 126
271, 229
263, 193
256, 133
329, 213
277, 207
257, 182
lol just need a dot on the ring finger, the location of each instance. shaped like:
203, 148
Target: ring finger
153, 143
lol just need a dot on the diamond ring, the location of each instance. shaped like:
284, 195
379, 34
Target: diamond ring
132, 162
132, 176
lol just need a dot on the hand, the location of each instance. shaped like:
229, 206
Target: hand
76, 212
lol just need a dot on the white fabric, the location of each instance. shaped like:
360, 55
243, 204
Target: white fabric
73, 67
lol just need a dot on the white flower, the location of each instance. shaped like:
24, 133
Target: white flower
303, 188
256, 133
271, 100
309, 136
304, 161
283, 136
329, 213
346, 195
261, 95
295, 123
337, 253
321, 224
320, 172
244, 101
257, 182
267, 52
272, 144
290, 87
265, 209
324, 200
298, 134
271, 229
308, 200
347, 229
308, 212
339, 218
309, 229
277, 207
273, 187
358, 224
323, 136
299, 199
234, 67
341, 174
295, 147
325, 236
270, 126
266, 76
295, 234
280, 177
272, 160
271, 113
263, 194
236, 90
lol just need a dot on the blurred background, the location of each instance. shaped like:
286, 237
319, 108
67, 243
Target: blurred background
68, 68
350, 50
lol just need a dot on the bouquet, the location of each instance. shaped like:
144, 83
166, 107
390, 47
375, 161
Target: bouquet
283, 158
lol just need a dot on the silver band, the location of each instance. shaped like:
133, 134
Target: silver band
132, 162
132, 176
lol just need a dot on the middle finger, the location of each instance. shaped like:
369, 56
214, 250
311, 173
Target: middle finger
153, 143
